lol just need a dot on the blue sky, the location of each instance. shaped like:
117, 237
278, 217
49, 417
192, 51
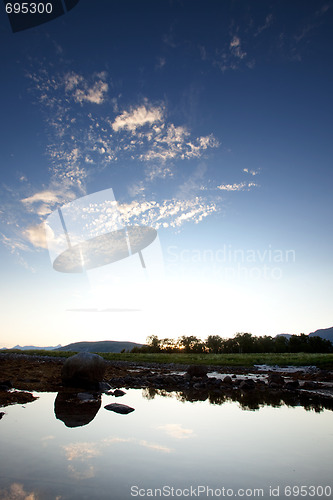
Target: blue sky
211, 122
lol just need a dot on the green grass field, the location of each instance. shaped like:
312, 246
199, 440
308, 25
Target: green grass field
285, 359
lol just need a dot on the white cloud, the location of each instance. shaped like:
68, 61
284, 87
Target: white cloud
251, 172
45, 196
17, 492
16, 246
81, 142
137, 117
242, 186
155, 446
232, 56
177, 431
95, 94
82, 90
160, 142
81, 451
171, 213
161, 62
171, 143
267, 24
43, 202
13, 244
36, 235
168, 213
235, 48
72, 80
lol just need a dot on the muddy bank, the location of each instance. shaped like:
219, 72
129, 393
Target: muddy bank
25, 374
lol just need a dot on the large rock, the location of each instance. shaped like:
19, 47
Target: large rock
83, 370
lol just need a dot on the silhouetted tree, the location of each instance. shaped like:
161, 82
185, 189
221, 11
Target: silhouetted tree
230, 346
263, 344
318, 344
168, 345
245, 342
214, 344
191, 344
281, 344
154, 343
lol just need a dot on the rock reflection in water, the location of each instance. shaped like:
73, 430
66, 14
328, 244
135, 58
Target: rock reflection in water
76, 409
248, 400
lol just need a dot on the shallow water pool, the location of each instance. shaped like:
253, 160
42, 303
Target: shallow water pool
167, 447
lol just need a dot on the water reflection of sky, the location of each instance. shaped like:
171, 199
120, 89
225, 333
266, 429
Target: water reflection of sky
164, 442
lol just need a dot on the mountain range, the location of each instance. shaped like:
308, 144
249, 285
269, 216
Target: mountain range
101, 346
32, 347
118, 346
324, 333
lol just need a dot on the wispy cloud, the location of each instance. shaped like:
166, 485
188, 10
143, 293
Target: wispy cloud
155, 446
177, 431
236, 49
81, 451
88, 132
79, 141
161, 62
251, 172
17, 492
232, 56
36, 235
137, 118
43, 202
146, 135
175, 142
265, 25
95, 94
241, 186
76, 139
168, 213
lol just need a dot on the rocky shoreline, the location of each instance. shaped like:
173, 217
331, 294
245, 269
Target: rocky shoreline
21, 375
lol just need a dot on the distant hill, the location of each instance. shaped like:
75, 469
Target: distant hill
32, 347
324, 333
101, 346
287, 335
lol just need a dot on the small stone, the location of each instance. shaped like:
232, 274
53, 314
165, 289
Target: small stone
247, 384
104, 386
5, 385
118, 408
308, 384
197, 371
275, 378
118, 393
292, 386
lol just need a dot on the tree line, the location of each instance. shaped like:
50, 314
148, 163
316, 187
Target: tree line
240, 343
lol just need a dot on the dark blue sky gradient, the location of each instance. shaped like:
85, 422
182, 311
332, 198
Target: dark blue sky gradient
239, 146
